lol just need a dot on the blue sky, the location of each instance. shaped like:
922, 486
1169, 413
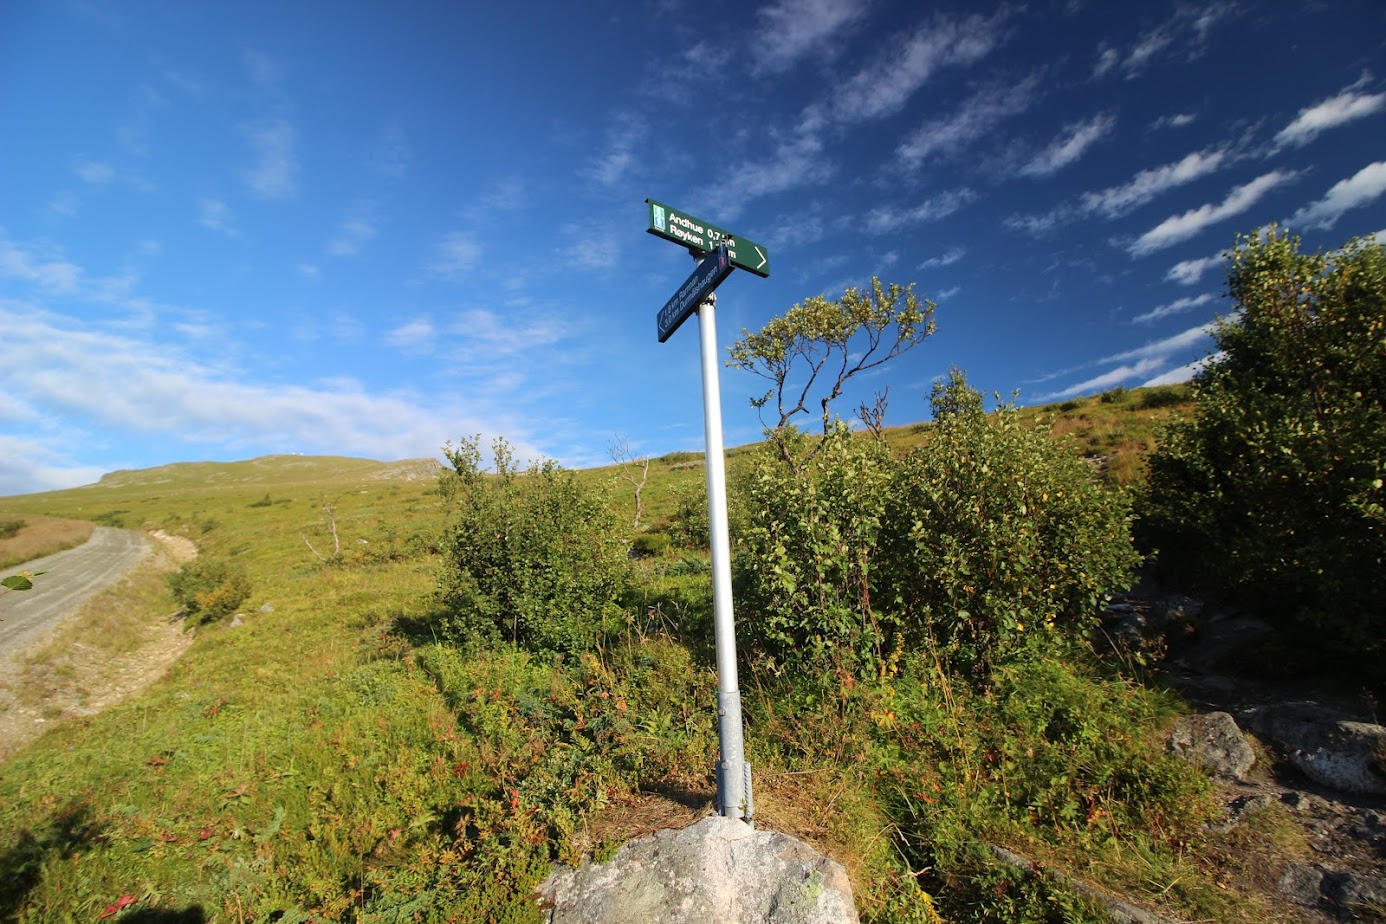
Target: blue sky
232, 229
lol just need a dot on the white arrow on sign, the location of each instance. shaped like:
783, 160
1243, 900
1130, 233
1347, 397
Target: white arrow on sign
760, 254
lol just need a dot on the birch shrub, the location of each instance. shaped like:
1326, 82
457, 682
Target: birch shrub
531, 557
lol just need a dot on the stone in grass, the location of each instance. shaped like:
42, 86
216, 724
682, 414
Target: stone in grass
1213, 742
719, 869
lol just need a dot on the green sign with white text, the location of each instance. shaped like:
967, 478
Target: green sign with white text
682, 228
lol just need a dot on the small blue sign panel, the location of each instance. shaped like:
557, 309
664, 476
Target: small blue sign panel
711, 270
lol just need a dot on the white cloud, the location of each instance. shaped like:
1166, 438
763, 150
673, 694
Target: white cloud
1360, 189
216, 215
1107, 59
794, 163
352, 233
1188, 272
1040, 225
792, 29
1135, 363
1177, 306
1145, 186
52, 276
1348, 105
622, 147
882, 220
973, 120
1070, 145
1183, 373
415, 336
1162, 349
1178, 228
1186, 31
947, 293
309, 270
29, 464
1177, 120
95, 172
883, 87
948, 258
274, 172
455, 254
147, 388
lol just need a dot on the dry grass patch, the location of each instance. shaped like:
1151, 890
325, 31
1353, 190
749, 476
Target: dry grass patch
37, 536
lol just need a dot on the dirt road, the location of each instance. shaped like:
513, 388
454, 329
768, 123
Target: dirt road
69, 579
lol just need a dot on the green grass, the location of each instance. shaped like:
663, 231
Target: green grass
328, 760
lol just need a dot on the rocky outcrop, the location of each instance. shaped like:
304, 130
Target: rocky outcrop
1331, 749
718, 869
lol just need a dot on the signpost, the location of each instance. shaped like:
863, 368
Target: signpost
716, 251
695, 234
694, 291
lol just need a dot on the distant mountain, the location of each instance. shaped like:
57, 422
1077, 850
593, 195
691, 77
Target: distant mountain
271, 470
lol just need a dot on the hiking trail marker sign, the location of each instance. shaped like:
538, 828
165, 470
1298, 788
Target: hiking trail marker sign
717, 251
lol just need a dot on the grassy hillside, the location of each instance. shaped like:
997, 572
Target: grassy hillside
327, 759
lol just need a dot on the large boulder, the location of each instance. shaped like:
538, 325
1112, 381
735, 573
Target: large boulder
1214, 743
719, 869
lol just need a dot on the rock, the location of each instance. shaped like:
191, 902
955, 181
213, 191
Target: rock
1237, 811
1329, 749
265, 608
1301, 883
1213, 742
1356, 893
719, 869
237, 620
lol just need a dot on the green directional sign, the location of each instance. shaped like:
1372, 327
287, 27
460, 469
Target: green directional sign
682, 228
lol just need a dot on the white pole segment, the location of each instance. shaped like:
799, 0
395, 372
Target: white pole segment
733, 773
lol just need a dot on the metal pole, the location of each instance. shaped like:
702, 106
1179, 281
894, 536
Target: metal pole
733, 773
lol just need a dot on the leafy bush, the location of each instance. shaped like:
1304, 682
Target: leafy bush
533, 558
1114, 396
688, 525
1163, 396
993, 533
805, 552
648, 545
10, 528
210, 588
1274, 491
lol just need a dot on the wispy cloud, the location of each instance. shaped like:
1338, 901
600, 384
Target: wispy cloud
1178, 228
1145, 186
149, 388
897, 71
416, 336
1115, 201
95, 172
1188, 272
1178, 306
947, 258
1070, 145
1136, 363
881, 220
796, 162
1176, 120
1183, 36
977, 117
51, 274
791, 29
622, 145
1363, 187
216, 215
1184, 373
353, 232
273, 174
1347, 106
455, 255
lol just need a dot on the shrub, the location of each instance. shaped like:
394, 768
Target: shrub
533, 558
648, 545
10, 528
688, 526
804, 552
210, 588
1163, 396
1274, 491
1115, 396
993, 533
